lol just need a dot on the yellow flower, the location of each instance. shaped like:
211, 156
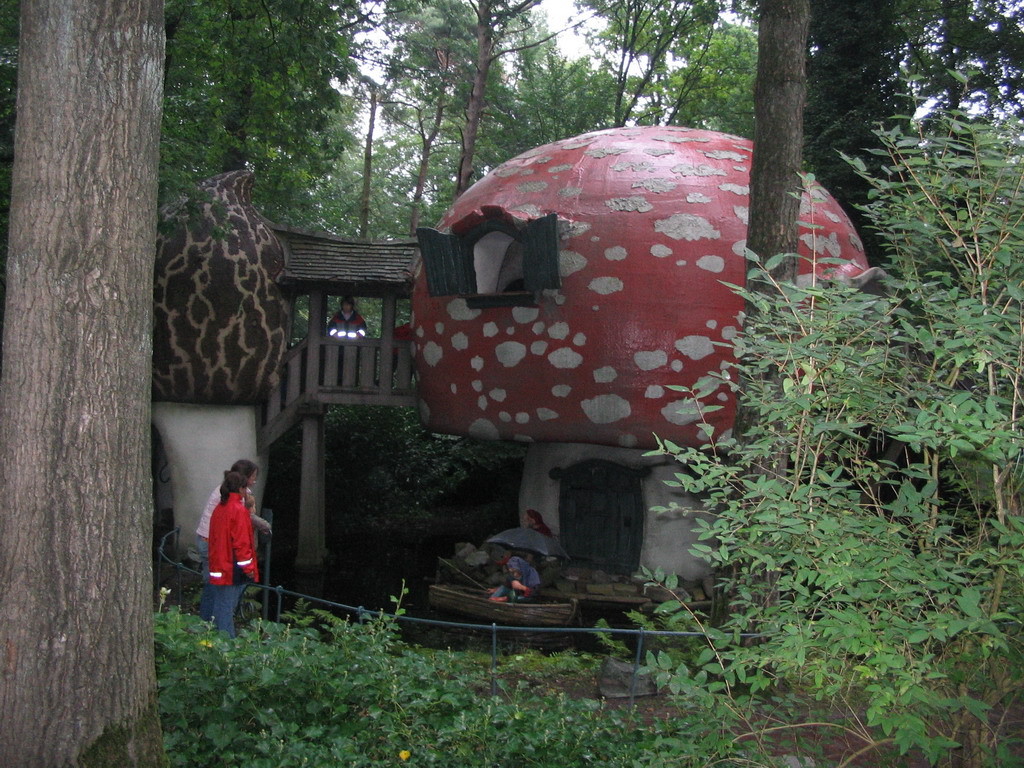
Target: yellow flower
206, 643
404, 755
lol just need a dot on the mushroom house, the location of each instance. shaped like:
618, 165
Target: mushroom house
563, 294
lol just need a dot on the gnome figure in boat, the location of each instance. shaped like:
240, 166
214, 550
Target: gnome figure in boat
562, 295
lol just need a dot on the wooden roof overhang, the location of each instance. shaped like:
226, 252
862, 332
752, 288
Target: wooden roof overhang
340, 266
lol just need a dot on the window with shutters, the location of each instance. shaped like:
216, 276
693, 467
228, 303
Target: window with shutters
497, 263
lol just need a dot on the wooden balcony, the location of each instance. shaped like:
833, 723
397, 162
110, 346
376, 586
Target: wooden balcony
338, 372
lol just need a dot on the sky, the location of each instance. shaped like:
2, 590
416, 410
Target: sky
560, 14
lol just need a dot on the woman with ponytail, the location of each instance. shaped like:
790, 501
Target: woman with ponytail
232, 551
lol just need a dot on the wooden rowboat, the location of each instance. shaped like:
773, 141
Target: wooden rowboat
474, 603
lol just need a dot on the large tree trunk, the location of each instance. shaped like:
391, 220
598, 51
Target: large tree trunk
775, 184
76, 629
779, 94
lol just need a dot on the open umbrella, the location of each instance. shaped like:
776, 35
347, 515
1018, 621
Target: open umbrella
529, 540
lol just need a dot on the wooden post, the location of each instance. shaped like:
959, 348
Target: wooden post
315, 340
387, 344
312, 545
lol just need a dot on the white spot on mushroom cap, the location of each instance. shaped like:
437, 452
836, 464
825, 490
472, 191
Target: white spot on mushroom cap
681, 412
498, 395
546, 414
432, 353
459, 310
570, 262
532, 186
660, 251
736, 189
490, 329
561, 390
641, 166
510, 353
658, 151
742, 213
606, 285
580, 339
711, 263
695, 347
477, 385
729, 332
615, 253
724, 154
460, 341
654, 391
454, 388
600, 152
688, 169
481, 403
634, 204
605, 374
439, 329
649, 360
558, 330
569, 191
818, 244
477, 363
606, 409
525, 314
687, 226
657, 186
559, 168
627, 441
505, 416
483, 429
522, 417
539, 347
698, 197
677, 365
565, 357
529, 210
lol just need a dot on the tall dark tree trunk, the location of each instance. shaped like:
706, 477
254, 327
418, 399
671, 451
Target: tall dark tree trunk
775, 184
427, 140
779, 94
475, 107
364, 202
78, 683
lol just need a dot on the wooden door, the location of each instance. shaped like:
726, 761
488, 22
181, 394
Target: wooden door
601, 514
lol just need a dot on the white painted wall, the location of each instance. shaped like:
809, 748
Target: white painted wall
668, 536
201, 443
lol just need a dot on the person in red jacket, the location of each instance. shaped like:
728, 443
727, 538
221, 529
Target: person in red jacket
232, 551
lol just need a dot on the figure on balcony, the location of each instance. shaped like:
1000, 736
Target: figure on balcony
347, 323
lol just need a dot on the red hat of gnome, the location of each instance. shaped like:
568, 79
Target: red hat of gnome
537, 522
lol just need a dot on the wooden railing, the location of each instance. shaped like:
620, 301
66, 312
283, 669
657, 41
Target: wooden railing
338, 372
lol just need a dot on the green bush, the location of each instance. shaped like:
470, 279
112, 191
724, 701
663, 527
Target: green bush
351, 694
871, 513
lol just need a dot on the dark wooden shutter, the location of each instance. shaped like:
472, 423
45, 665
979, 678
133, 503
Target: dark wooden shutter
449, 267
540, 254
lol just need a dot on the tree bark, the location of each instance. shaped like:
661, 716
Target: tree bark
78, 683
364, 200
475, 107
779, 94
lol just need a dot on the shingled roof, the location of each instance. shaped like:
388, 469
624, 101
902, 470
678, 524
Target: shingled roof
343, 265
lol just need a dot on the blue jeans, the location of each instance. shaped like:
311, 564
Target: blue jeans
225, 600
206, 596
